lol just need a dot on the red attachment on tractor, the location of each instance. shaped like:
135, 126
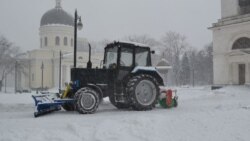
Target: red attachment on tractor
169, 94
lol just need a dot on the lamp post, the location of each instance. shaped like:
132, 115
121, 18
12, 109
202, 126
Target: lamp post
193, 76
77, 25
60, 70
5, 83
42, 68
15, 76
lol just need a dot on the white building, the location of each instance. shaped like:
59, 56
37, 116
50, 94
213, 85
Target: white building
231, 43
56, 34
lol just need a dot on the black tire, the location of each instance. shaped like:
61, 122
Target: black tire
175, 102
118, 105
69, 106
144, 87
36, 114
87, 101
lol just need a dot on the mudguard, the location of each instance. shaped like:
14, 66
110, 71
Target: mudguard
150, 71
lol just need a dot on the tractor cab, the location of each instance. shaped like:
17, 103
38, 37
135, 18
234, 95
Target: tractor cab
124, 57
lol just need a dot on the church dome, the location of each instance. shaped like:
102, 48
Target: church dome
57, 16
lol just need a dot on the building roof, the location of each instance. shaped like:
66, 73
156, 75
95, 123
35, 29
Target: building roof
57, 16
163, 62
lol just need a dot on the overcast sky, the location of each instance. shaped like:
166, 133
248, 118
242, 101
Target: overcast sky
113, 19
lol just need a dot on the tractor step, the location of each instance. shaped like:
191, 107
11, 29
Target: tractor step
119, 98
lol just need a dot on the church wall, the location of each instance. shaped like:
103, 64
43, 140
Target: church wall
221, 72
51, 32
229, 8
35, 74
224, 37
25, 82
235, 74
37, 57
248, 74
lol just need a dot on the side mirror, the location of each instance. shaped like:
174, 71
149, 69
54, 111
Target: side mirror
152, 52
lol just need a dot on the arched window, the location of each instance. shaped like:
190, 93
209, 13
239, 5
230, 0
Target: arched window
72, 43
244, 6
241, 43
45, 41
41, 42
65, 41
57, 41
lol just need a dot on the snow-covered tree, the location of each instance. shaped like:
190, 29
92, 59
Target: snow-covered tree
144, 39
147, 40
175, 45
8, 53
201, 65
185, 70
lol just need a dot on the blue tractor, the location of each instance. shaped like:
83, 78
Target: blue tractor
126, 77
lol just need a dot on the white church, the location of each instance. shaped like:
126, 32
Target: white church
42, 64
231, 44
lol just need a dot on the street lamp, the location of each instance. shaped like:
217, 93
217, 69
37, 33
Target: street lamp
61, 54
78, 25
42, 68
60, 70
15, 76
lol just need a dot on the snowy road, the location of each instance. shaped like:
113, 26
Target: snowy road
202, 115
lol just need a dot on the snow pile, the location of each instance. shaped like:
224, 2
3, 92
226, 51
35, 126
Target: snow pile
202, 115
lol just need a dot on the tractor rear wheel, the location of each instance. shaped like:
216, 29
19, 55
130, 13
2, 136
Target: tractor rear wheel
87, 100
143, 91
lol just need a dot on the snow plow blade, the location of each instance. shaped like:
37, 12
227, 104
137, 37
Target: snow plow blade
47, 103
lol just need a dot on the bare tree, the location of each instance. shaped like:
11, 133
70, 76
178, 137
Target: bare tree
185, 70
144, 39
201, 65
147, 40
205, 65
175, 46
8, 53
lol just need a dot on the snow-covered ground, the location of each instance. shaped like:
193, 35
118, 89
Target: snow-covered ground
202, 115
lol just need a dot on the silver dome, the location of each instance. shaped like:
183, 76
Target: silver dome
57, 16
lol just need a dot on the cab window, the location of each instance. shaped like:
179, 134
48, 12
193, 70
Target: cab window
126, 57
141, 57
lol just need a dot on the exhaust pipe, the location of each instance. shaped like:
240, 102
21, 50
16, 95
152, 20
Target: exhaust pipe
89, 64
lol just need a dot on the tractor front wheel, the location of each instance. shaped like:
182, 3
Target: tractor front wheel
143, 91
87, 101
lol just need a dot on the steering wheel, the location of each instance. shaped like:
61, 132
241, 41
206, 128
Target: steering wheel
112, 66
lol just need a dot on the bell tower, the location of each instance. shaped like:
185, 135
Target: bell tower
229, 8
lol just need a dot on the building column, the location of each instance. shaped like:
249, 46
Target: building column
68, 74
56, 75
247, 73
230, 74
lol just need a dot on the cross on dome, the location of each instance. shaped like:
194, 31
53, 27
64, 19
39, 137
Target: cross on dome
58, 3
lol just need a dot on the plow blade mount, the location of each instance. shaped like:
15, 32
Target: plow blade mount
47, 103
